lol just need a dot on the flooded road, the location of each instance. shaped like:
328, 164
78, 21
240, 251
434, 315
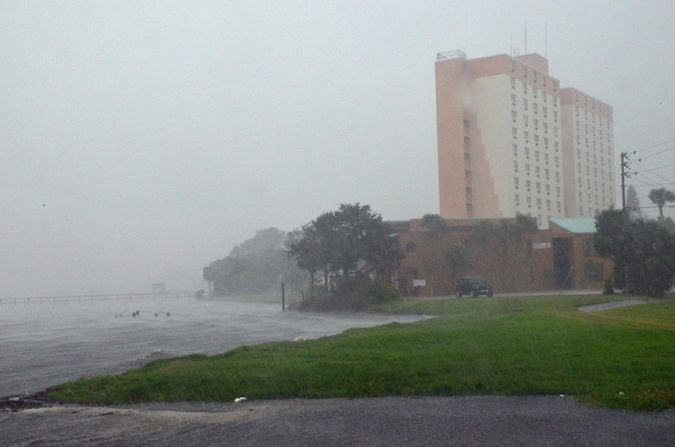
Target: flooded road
42, 345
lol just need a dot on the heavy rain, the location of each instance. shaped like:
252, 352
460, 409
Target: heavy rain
343, 222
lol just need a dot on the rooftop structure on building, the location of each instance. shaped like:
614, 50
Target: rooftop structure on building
511, 141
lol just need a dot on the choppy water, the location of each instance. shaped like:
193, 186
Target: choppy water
46, 344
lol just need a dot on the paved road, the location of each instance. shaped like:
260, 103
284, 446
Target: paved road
610, 305
466, 421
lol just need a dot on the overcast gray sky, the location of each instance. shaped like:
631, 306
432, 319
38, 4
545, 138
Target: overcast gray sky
140, 140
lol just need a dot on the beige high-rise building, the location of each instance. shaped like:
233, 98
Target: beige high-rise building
588, 154
504, 141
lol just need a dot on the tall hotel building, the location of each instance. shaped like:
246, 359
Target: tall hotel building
511, 141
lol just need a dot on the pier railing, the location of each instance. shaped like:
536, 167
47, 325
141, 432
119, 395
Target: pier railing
93, 297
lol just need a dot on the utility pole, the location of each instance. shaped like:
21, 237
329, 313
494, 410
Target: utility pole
624, 174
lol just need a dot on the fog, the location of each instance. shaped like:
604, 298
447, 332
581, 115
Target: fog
141, 140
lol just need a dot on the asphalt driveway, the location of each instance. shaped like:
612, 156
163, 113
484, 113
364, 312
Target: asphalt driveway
427, 421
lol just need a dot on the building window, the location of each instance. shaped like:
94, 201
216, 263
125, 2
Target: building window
515, 182
525, 103
515, 166
594, 271
515, 132
513, 99
529, 202
528, 185
515, 149
466, 140
513, 115
517, 199
536, 156
527, 152
513, 82
410, 247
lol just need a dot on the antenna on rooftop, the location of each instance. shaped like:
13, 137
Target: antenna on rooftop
525, 39
546, 40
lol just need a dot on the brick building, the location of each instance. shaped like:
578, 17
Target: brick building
561, 257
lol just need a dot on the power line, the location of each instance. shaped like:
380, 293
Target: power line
654, 146
664, 206
658, 167
655, 174
651, 185
658, 153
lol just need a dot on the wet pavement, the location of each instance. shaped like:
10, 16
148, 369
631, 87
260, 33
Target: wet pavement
428, 421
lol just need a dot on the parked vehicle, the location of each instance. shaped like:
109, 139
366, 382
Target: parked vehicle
472, 286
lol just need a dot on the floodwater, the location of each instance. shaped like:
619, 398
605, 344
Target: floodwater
42, 345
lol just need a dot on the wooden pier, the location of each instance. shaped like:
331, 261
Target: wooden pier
93, 298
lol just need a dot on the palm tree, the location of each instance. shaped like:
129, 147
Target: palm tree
660, 197
209, 275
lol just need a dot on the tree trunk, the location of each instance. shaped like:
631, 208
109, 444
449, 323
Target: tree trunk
325, 277
311, 284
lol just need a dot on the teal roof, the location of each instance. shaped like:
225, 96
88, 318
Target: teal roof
576, 225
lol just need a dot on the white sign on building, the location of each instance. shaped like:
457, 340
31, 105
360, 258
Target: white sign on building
419, 282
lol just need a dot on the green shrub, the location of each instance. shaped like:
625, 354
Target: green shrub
356, 294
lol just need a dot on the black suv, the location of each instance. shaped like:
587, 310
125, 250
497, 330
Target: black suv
472, 286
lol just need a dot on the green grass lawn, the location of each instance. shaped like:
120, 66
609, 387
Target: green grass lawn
622, 358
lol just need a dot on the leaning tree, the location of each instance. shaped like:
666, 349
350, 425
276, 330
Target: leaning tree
659, 197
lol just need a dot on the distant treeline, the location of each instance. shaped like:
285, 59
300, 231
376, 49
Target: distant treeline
257, 265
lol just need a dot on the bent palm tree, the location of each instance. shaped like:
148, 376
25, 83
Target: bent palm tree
660, 197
